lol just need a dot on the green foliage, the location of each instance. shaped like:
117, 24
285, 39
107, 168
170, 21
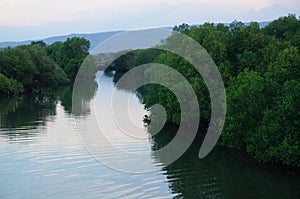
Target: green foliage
278, 137
156, 94
245, 102
260, 68
54, 51
70, 54
38, 66
182, 28
31, 66
123, 62
9, 86
286, 66
38, 43
60, 76
284, 27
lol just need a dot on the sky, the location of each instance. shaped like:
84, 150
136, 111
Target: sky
37, 19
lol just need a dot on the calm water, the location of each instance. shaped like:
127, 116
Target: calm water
42, 156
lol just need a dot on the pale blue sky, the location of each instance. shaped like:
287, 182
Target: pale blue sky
36, 19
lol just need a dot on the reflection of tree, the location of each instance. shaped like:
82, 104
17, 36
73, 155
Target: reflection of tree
83, 92
26, 112
188, 176
222, 174
85, 86
65, 97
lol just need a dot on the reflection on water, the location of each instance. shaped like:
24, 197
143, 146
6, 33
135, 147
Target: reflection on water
41, 156
19, 111
24, 117
82, 94
223, 174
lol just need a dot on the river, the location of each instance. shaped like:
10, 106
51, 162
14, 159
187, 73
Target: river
43, 156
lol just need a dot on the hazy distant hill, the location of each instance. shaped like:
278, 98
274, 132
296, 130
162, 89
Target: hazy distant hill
94, 38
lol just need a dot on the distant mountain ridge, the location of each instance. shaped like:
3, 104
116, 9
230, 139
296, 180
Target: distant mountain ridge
94, 38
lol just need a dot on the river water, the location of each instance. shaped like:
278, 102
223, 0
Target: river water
42, 155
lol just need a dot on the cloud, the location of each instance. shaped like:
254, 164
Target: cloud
37, 12
43, 18
269, 13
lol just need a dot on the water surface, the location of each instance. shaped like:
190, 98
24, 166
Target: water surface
42, 156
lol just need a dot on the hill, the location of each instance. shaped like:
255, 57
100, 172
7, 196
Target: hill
94, 38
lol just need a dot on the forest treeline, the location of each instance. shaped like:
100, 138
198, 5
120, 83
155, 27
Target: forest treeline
39, 66
260, 68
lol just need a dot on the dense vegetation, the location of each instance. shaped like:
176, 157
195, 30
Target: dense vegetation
260, 68
69, 54
38, 66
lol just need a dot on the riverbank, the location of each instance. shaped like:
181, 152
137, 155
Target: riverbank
259, 67
40, 147
35, 67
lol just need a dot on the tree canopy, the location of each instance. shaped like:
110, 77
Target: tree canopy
260, 68
38, 66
